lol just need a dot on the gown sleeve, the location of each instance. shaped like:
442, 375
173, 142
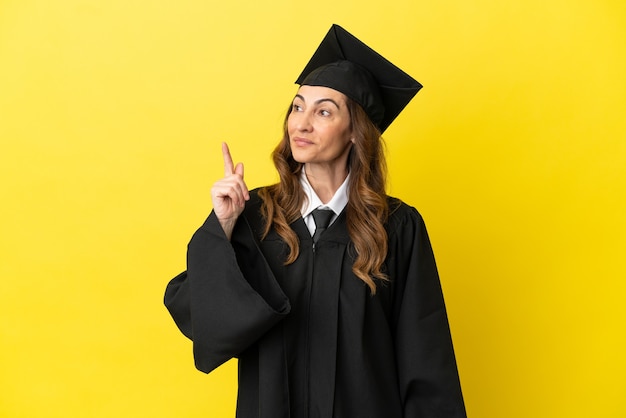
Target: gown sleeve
428, 375
228, 297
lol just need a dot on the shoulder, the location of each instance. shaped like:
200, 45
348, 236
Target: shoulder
400, 211
253, 213
402, 216
255, 199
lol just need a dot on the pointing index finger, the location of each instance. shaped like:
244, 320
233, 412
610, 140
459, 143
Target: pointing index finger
228, 160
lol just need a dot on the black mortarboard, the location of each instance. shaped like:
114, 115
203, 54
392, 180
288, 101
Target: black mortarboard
344, 63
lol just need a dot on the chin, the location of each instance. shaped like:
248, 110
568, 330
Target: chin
299, 156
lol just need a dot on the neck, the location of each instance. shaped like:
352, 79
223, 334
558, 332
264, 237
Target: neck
325, 181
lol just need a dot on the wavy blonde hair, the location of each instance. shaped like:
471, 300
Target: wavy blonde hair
367, 209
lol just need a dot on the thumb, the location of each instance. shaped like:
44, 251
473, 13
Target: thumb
239, 169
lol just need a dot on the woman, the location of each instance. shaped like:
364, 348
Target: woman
338, 317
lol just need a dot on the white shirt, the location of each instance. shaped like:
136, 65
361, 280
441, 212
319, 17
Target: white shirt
336, 204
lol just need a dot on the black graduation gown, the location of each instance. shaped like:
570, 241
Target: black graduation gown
311, 339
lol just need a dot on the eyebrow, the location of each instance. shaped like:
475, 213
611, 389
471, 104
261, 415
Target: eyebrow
326, 99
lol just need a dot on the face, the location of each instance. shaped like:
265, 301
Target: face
319, 127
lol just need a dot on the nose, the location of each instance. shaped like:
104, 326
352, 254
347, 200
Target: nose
302, 121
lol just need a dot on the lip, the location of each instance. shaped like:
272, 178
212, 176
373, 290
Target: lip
302, 142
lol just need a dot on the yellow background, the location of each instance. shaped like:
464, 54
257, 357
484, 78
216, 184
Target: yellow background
111, 116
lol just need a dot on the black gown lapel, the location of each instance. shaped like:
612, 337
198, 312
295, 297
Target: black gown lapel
328, 261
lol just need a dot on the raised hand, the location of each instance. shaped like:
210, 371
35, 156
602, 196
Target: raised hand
230, 193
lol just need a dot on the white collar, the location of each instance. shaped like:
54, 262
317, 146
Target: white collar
336, 204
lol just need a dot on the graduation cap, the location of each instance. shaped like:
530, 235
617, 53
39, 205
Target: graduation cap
344, 63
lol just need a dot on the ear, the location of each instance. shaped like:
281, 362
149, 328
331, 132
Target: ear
352, 140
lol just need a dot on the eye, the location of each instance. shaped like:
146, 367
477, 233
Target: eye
324, 112
296, 108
